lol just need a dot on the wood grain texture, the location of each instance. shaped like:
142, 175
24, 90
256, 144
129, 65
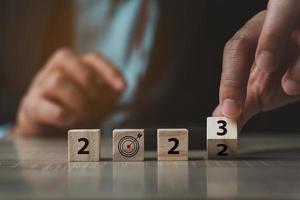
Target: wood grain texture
222, 138
75, 143
164, 145
128, 145
36, 168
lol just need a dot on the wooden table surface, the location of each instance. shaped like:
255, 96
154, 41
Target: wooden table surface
267, 167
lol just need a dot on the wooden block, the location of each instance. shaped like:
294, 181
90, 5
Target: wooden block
84, 145
172, 144
222, 138
128, 144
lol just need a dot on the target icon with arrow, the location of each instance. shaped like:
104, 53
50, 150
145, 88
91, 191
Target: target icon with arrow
129, 146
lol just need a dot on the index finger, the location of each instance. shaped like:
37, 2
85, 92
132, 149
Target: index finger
238, 58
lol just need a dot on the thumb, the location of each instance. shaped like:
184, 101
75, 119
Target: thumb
218, 111
278, 26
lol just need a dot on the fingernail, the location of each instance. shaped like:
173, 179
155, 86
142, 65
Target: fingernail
266, 62
119, 84
231, 108
291, 87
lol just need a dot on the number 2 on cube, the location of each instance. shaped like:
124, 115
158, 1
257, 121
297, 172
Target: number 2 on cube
172, 150
224, 147
221, 137
83, 149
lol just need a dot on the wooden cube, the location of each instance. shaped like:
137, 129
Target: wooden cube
84, 145
222, 137
172, 144
128, 144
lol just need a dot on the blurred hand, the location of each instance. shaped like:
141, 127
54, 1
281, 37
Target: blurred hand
261, 63
69, 92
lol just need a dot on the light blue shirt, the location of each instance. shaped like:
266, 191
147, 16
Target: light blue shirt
3, 130
108, 26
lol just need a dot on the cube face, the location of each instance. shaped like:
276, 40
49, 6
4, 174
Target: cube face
128, 144
222, 138
221, 149
172, 144
221, 128
84, 145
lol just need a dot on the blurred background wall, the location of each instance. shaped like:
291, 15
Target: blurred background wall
181, 85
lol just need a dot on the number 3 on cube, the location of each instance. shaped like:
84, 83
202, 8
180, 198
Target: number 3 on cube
221, 138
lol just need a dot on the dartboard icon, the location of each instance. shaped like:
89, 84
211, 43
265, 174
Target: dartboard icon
129, 146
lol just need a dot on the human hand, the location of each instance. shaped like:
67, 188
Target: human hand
69, 92
261, 63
